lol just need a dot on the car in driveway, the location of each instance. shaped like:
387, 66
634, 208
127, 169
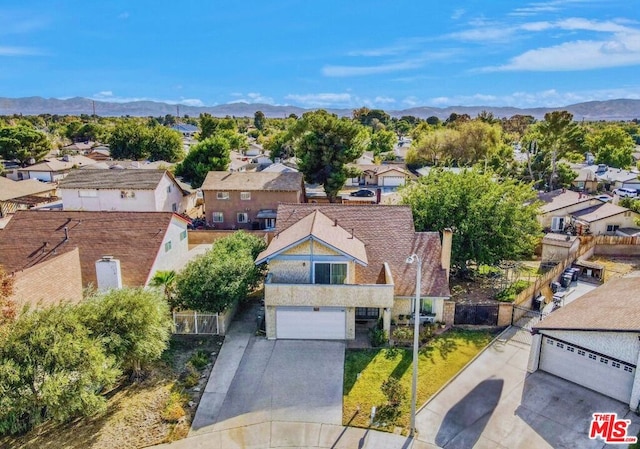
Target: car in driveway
363, 193
626, 193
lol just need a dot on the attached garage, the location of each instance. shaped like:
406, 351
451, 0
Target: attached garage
595, 371
392, 181
311, 323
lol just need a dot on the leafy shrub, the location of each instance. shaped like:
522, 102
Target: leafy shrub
403, 333
377, 337
509, 294
199, 360
190, 377
394, 391
173, 410
426, 333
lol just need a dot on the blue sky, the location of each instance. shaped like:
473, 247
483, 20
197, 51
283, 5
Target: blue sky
329, 53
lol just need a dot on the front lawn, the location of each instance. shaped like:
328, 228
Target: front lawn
438, 362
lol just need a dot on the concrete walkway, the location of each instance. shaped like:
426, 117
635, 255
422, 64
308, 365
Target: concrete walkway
222, 374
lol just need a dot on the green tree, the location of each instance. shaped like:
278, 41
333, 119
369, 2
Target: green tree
51, 368
165, 144
23, 143
556, 133
130, 140
133, 325
324, 146
612, 146
259, 120
208, 126
211, 154
383, 141
223, 276
490, 221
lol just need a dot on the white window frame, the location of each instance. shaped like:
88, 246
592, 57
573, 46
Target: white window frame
167, 246
613, 227
220, 217
169, 189
222, 195
128, 194
245, 196
183, 235
244, 215
346, 278
555, 220
269, 223
174, 207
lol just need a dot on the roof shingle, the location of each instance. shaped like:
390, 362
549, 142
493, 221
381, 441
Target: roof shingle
112, 179
224, 180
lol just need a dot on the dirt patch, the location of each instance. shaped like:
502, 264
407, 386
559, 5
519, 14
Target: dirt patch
617, 266
133, 418
480, 291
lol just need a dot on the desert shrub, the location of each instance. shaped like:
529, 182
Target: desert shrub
173, 410
190, 377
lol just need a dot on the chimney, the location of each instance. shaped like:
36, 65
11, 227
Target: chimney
108, 273
445, 255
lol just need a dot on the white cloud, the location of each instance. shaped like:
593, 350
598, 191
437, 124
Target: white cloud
411, 101
545, 7
7, 50
382, 51
346, 71
251, 97
321, 99
108, 95
457, 13
384, 100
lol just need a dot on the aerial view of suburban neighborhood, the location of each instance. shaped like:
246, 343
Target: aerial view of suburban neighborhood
320, 225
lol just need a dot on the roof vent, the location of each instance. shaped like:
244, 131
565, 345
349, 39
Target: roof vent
335, 222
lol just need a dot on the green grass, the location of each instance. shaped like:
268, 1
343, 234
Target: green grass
438, 362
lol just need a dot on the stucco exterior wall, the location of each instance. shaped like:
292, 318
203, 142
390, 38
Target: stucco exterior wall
620, 345
165, 199
403, 306
319, 295
108, 199
234, 205
623, 220
545, 219
167, 260
290, 271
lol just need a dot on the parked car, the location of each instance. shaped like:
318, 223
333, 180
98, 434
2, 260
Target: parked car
362, 192
604, 198
626, 193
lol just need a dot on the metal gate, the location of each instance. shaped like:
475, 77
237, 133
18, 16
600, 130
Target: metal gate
195, 323
480, 314
525, 318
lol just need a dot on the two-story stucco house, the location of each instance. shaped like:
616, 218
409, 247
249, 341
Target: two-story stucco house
143, 242
594, 341
125, 190
330, 265
248, 200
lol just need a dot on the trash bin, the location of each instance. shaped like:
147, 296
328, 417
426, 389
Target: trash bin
565, 280
555, 286
537, 302
576, 273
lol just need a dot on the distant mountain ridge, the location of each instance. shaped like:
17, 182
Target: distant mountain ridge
621, 109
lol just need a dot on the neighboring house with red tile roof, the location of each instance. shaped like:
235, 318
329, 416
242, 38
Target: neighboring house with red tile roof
140, 190
330, 265
143, 242
248, 200
19, 195
584, 213
593, 341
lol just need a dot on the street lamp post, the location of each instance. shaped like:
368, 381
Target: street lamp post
416, 331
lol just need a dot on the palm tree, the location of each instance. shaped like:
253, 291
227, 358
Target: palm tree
165, 279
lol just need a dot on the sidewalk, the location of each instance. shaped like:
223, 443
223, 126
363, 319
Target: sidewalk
279, 434
223, 372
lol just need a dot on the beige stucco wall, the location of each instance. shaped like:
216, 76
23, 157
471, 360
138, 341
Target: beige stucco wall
620, 345
545, 219
322, 295
552, 252
402, 306
623, 220
305, 248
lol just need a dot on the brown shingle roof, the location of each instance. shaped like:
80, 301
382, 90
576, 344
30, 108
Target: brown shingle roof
112, 179
320, 227
51, 165
389, 236
614, 306
600, 212
246, 181
134, 238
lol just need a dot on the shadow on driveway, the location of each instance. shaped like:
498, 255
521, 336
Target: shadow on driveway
560, 411
464, 422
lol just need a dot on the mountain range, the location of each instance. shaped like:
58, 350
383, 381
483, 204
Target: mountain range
621, 109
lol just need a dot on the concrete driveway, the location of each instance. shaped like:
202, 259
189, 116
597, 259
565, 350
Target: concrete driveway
494, 403
260, 381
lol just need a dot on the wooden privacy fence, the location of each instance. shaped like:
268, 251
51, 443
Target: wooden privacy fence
194, 323
528, 293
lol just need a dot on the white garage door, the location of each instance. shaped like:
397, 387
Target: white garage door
309, 323
392, 181
598, 373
